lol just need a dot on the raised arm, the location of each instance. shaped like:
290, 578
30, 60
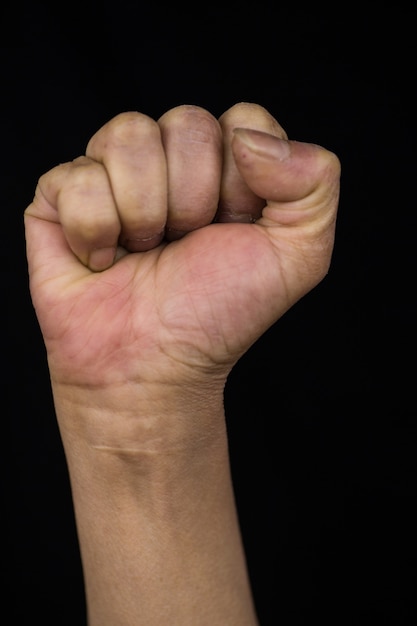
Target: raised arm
156, 260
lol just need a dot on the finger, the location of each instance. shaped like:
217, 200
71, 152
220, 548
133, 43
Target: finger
131, 150
239, 203
77, 197
193, 146
301, 183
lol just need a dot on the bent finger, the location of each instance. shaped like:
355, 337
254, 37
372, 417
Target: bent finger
130, 148
193, 145
80, 194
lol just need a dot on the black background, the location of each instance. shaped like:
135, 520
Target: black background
322, 410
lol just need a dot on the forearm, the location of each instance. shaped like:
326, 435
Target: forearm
157, 524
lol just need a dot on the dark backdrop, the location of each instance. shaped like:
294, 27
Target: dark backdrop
322, 410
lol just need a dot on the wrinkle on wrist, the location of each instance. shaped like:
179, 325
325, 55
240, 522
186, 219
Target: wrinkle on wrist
128, 423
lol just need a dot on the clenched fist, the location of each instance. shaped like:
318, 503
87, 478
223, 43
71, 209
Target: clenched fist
172, 245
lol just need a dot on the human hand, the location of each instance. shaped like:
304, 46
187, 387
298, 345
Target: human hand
160, 256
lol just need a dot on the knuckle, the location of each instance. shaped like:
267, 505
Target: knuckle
131, 125
192, 124
328, 172
334, 164
84, 175
251, 115
122, 131
53, 177
245, 108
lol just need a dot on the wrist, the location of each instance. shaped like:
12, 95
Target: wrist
158, 451
140, 420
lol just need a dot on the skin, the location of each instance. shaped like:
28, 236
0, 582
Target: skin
156, 260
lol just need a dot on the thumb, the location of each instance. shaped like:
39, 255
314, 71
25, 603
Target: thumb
300, 183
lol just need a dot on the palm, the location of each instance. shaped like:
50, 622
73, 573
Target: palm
195, 303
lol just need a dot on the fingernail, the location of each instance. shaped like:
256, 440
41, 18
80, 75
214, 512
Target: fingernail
142, 244
264, 144
101, 259
229, 217
172, 234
